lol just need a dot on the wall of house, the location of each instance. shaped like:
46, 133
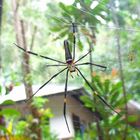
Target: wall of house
58, 124
79, 109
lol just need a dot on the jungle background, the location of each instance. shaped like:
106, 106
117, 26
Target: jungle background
111, 28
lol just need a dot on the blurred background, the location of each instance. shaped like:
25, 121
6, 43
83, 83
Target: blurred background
111, 28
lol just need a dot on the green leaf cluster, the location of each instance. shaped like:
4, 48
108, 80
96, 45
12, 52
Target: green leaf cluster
112, 125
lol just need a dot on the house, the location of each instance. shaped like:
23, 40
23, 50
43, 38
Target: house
134, 109
77, 115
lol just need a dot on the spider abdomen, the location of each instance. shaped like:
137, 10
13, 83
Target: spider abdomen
68, 55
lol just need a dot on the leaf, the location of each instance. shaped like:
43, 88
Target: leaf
97, 84
80, 45
55, 28
64, 8
106, 86
115, 93
114, 119
98, 81
121, 102
39, 102
114, 97
133, 118
61, 34
116, 87
9, 112
21, 126
87, 101
8, 102
3, 129
48, 113
17, 84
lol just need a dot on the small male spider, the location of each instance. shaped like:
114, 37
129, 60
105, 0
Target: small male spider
70, 67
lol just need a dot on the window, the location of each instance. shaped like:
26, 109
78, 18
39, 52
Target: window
76, 123
79, 126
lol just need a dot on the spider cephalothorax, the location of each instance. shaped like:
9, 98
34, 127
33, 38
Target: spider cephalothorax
71, 66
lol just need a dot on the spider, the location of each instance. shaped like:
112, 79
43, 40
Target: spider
71, 66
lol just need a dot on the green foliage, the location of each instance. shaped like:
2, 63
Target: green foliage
112, 125
39, 102
71, 14
20, 127
7, 115
4, 89
9, 112
8, 102
133, 72
109, 91
3, 130
42, 122
133, 118
33, 15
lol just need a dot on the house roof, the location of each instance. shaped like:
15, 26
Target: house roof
134, 104
18, 93
134, 107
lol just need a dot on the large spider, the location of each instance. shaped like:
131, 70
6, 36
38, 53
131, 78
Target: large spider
71, 66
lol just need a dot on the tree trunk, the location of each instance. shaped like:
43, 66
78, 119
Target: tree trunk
99, 131
21, 41
115, 18
1, 3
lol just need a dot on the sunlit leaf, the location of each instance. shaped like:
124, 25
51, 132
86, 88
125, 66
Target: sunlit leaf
9, 112
8, 102
39, 102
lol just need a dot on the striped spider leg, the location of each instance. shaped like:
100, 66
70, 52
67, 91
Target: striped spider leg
72, 67
48, 58
36, 54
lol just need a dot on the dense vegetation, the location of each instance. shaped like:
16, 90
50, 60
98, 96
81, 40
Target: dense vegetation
109, 27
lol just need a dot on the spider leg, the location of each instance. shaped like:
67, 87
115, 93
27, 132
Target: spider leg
74, 43
46, 83
65, 101
83, 56
88, 63
74, 31
55, 65
29, 52
96, 93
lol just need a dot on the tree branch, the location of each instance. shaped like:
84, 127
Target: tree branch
115, 18
33, 37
